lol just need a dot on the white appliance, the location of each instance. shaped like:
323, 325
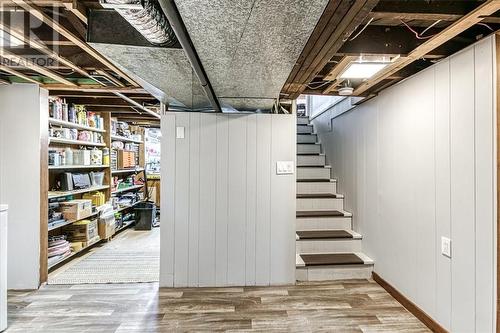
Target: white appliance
3, 267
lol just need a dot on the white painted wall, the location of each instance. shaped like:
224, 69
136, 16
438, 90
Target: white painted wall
227, 218
23, 112
419, 162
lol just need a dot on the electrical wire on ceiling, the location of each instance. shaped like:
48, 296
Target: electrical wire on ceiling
321, 85
485, 25
362, 29
419, 35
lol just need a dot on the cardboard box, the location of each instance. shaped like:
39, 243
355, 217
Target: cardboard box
125, 159
76, 209
107, 226
82, 231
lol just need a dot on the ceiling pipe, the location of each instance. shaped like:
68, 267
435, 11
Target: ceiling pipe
179, 28
138, 105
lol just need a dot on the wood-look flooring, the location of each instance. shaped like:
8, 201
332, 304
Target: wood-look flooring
344, 306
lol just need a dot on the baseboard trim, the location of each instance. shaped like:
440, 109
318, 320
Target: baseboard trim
409, 305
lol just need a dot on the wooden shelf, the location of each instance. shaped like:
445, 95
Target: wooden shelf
58, 194
124, 139
127, 207
73, 221
76, 142
72, 254
127, 170
125, 225
67, 167
130, 188
69, 124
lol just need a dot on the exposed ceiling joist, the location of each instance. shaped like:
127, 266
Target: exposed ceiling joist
475, 16
77, 8
333, 86
342, 64
334, 28
18, 74
423, 17
37, 12
39, 69
42, 48
95, 88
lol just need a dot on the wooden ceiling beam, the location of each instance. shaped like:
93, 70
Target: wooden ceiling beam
340, 25
42, 48
342, 64
37, 12
95, 88
78, 9
37, 68
487, 8
332, 86
431, 17
18, 74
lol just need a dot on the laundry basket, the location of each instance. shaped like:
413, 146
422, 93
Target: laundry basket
145, 214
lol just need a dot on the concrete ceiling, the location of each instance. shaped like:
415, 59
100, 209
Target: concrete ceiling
248, 48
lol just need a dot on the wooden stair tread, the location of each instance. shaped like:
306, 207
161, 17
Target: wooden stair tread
317, 196
319, 213
323, 234
321, 259
314, 180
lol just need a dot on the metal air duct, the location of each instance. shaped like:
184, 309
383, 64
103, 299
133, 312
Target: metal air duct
147, 17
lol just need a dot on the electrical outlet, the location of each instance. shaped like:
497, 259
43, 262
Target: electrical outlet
446, 247
284, 167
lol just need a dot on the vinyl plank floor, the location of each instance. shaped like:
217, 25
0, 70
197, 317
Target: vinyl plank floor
337, 306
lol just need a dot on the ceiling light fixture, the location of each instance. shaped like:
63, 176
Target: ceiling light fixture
362, 70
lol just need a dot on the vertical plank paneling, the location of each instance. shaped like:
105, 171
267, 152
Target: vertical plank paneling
283, 193
484, 191
237, 199
442, 190
251, 197
182, 188
263, 212
462, 192
194, 196
218, 225
167, 230
221, 201
208, 181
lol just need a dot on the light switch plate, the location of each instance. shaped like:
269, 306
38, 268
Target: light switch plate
446, 247
179, 132
285, 168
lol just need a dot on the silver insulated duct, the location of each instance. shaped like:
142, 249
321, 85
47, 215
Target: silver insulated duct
147, 17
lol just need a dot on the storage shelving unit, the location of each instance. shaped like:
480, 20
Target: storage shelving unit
136, 170
54, 170
107, 188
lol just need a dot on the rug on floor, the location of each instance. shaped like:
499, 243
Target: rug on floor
135, 258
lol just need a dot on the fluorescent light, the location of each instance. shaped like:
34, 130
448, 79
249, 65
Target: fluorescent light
7, 40
362, 70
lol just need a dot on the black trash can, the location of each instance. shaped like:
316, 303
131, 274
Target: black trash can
145, 214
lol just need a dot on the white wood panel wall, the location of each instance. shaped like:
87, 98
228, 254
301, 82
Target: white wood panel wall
227, 218
416, 163
23, 121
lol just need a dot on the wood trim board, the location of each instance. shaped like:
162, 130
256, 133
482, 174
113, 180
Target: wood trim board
409, 305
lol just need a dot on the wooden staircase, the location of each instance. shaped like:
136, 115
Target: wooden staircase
327, 248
